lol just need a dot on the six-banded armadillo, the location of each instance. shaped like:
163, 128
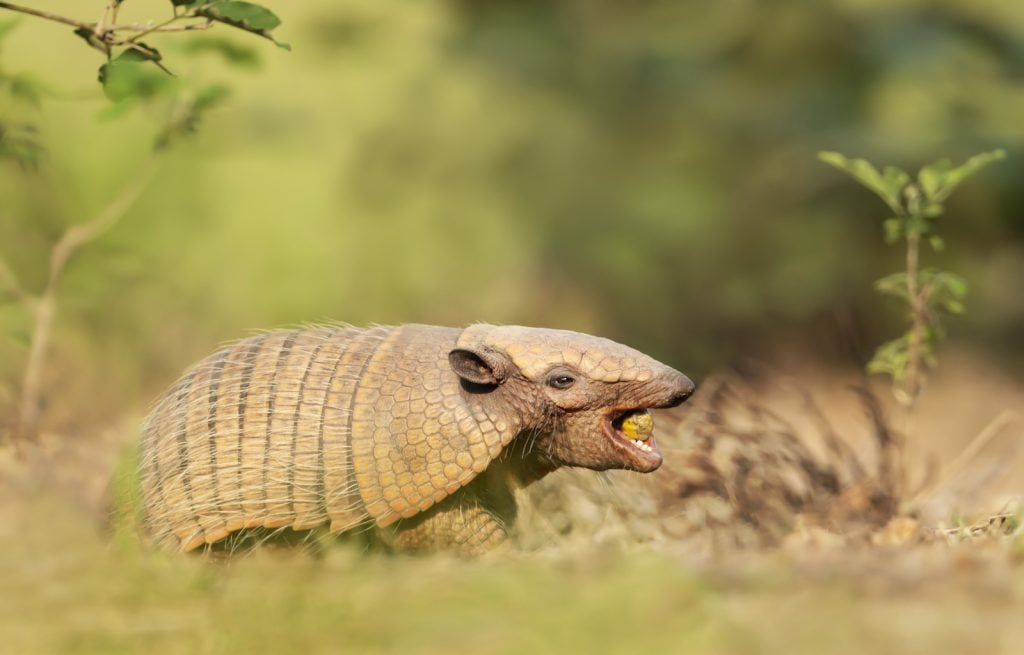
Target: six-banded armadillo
418, 431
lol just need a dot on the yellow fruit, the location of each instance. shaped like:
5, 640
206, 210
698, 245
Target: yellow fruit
637, 425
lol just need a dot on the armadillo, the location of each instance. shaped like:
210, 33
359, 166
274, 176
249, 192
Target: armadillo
416, 431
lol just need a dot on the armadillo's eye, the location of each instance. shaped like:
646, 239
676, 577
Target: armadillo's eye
561, 381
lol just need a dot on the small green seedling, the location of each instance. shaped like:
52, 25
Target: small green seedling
928, 293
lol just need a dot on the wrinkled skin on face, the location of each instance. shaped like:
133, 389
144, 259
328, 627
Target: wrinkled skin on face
580, 400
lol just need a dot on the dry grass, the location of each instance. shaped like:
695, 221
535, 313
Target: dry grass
781, 522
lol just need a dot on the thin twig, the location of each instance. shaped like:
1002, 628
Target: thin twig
136, 27
911, 383
157, 28
78, 235
46, 15
44, 309
107, 26
982, 439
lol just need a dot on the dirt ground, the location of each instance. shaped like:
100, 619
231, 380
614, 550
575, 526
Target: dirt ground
757, 543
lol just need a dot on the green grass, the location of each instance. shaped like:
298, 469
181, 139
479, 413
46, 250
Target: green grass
68, 588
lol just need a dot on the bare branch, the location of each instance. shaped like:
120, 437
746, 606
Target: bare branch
46, 15
44, 308
107, 27
156, 28
137, 27
77, 236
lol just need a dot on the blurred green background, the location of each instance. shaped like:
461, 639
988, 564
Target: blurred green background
645, 170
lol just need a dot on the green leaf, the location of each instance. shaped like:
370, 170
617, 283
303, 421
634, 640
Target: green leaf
913, 197
892, 358
185, 122
130, 75
942, 179
917, 224
932, 177
145, 52
893, 229
20, 143
245, 16
232, 52
893, 285
956, 285
953, 307
27, 88
895, 179
6, 26
116, 109
936, 242
887, 186
944, 291
210, 97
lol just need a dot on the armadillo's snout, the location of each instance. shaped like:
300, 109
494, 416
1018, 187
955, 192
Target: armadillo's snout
630, 432
669, 389
680, 388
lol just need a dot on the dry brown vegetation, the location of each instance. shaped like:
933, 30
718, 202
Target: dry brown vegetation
759, 459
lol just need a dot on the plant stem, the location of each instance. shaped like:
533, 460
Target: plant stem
43, 309
918, 317
156, 28
46, 15
106, 28
135, 27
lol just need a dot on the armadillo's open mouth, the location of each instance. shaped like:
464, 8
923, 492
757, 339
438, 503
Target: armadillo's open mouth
631, 433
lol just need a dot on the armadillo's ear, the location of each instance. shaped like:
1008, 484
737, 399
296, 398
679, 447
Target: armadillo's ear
478, 367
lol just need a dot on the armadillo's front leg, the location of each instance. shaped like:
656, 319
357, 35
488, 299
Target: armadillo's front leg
460, 524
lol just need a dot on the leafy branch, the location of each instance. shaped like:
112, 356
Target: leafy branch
133, 72
928, 293
108, 36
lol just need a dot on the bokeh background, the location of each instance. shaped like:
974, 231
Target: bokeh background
645, 171
642, 170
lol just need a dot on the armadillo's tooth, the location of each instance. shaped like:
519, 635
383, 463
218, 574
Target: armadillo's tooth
637, 424
642, 445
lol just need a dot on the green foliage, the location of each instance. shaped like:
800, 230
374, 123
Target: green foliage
135, 73
229, 50
645, 175
19, 139
5, 27
131, 76
893, 359
243, 15
20, 142
927, 293
889, 185
938, 180
189, 111
915, 204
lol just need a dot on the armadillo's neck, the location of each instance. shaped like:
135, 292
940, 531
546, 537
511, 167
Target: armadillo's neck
417, 435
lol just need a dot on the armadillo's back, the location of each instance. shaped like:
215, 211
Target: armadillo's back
258, 435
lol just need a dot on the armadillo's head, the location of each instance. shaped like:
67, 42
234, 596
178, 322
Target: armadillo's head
579, 400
